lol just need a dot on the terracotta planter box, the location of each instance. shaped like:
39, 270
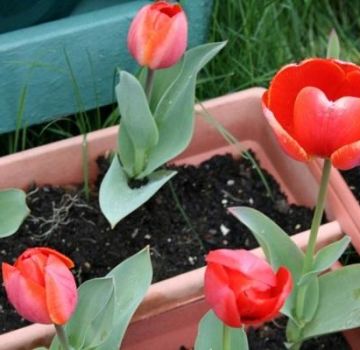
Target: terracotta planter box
169, 315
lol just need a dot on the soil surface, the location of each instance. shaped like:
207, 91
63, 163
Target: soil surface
181, 223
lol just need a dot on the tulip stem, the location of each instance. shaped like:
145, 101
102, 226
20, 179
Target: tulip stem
63, 339
310, 250
319, 210
149, 83
226, 338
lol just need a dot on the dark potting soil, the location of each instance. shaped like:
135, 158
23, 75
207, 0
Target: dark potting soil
271, 336
62, 219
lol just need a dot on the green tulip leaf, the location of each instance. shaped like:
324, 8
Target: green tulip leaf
211, 335
326, 257
339, 302
164, 79
174, 112
93, 319
137, 122
278, 247
118, 200
132, 279
333, 48
13, 211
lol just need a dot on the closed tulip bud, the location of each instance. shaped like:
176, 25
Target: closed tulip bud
157, 36
40, 286
242, 289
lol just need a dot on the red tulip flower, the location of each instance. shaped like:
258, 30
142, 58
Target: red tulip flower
314, 110
157, 36
242, 289
40, 286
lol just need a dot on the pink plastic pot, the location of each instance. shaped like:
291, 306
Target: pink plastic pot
169, 315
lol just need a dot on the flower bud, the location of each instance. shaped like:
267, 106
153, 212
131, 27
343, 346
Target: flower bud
242, 289
157, 36
40, 286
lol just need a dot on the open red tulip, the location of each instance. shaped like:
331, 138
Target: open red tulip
157, 36
40, 286
314, 110
242, 289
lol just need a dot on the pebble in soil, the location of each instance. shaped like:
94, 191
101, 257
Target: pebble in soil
64, 220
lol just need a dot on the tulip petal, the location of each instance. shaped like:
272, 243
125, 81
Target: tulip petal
219, 296
169, 49
256, 308
32, 267
243, 261
45, 251
287, 143
157, 37
351, 86
61, 293
322, 126
26, 296
288, 82
347, 157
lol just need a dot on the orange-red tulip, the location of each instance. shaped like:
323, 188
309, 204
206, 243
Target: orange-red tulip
314, 110
242, 289
157, 36
40, 286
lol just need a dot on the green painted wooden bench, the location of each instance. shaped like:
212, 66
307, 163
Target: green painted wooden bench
69, 64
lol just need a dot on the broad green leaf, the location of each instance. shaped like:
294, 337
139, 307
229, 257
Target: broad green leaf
163, 81
326, 257
132, 278
174, 112
136, 117
118, 200
333, 48
211, 335
93, 319
100, 328
339, 305
13, 211
278, 247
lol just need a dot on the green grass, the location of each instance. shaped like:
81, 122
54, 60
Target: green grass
262, 35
